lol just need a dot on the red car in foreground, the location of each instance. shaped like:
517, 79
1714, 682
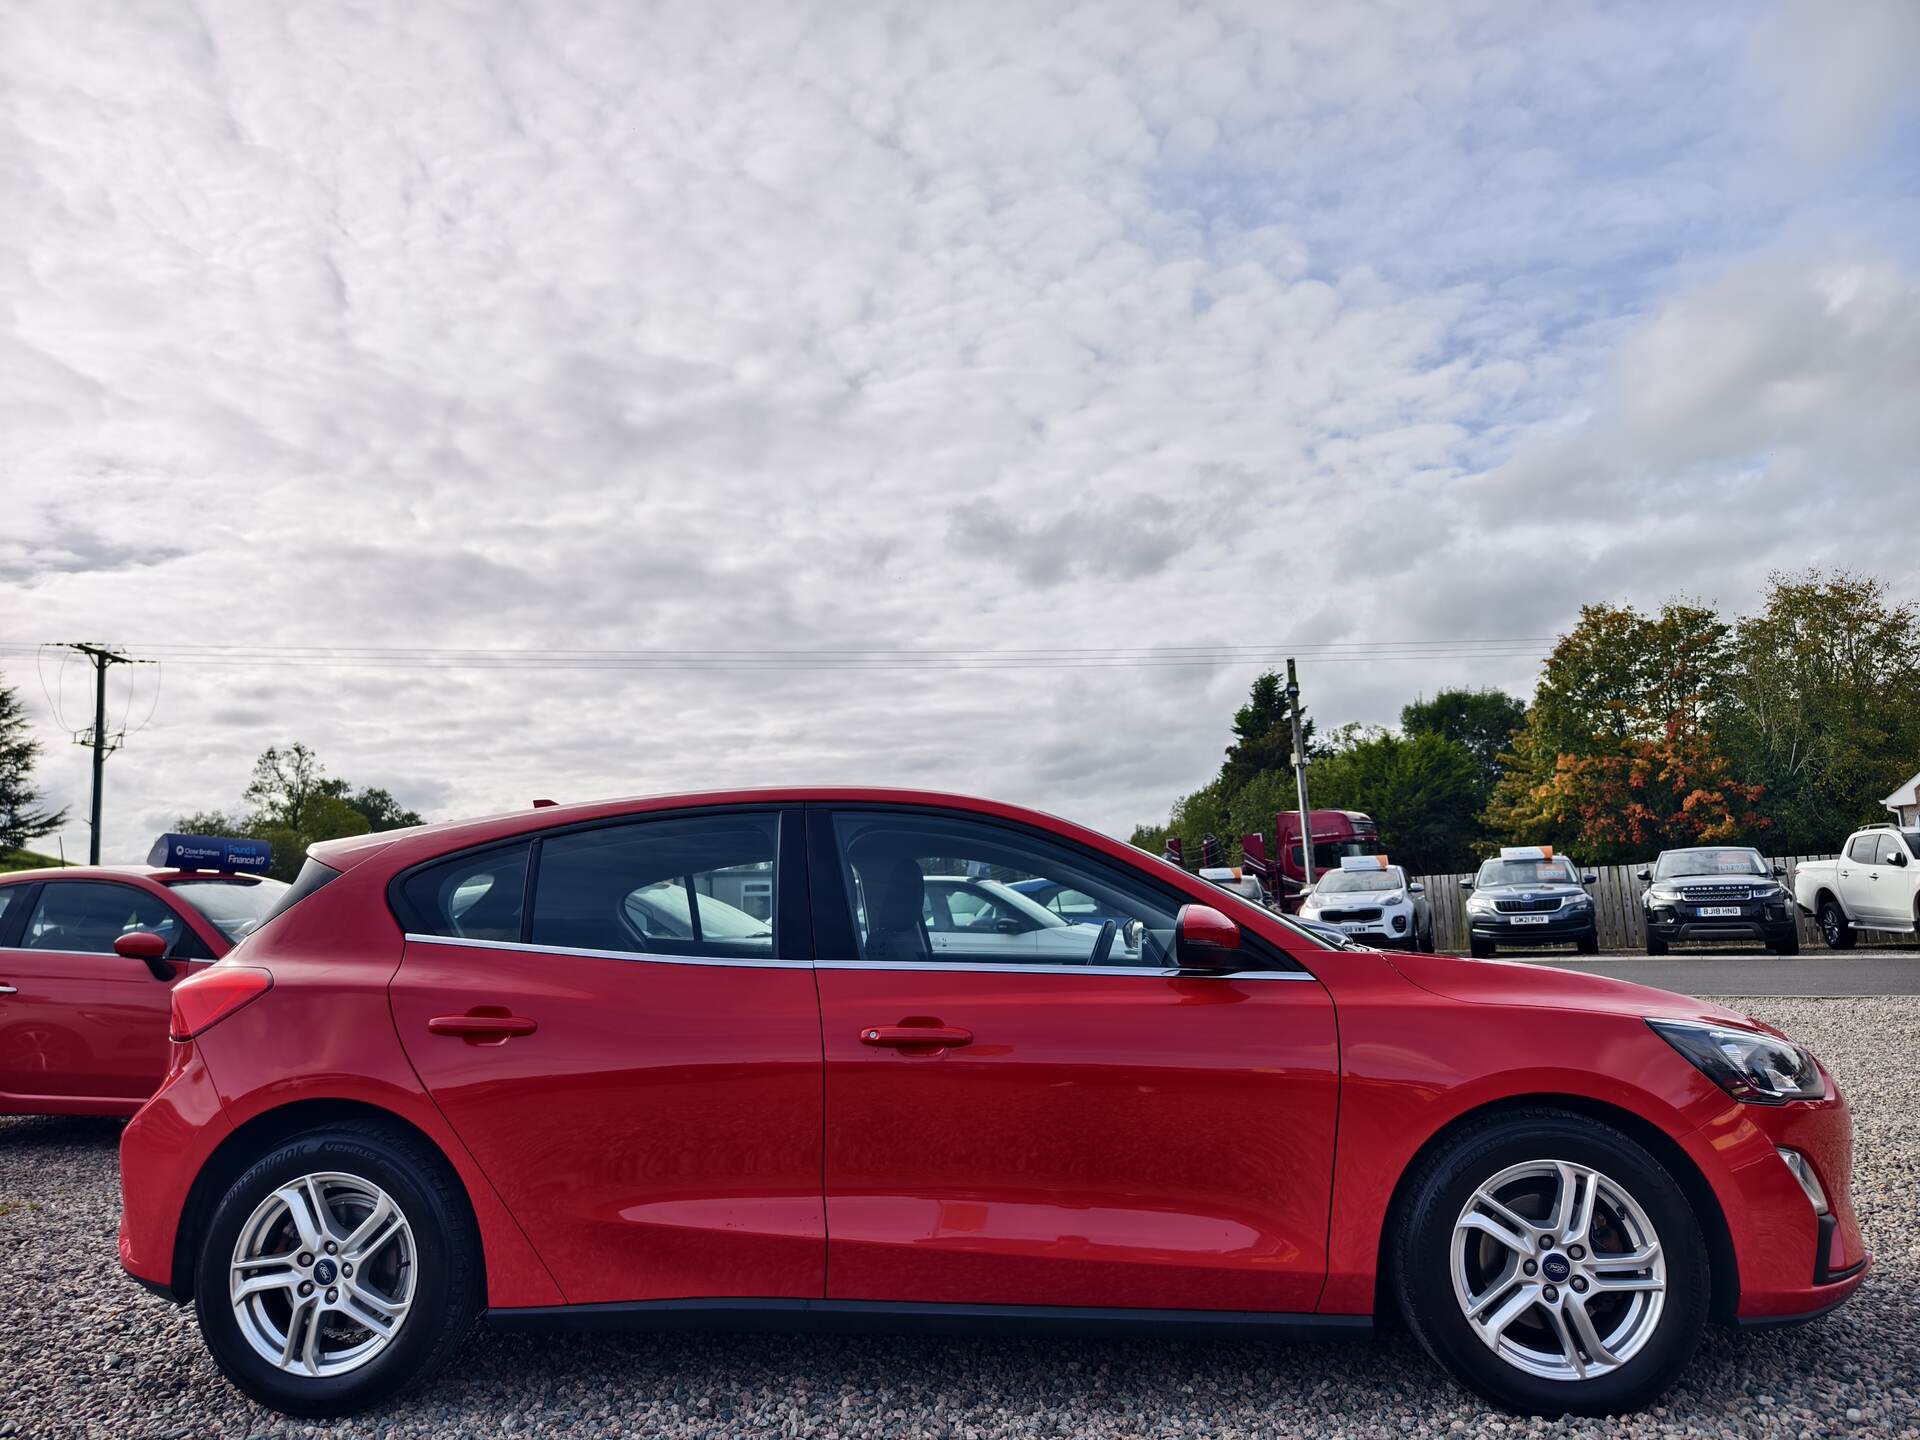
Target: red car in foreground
88, 959
713, 1058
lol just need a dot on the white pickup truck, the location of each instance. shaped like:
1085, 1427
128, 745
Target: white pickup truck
1874, 885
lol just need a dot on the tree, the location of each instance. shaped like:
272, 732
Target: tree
22, 815
1819, 704
296, 804
1619, 754
1263, 735
1422, 790
1484, 721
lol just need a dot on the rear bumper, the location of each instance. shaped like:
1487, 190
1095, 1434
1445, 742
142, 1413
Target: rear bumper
161, 1151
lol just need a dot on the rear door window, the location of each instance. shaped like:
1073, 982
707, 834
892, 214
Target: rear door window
700, 885
1861, 849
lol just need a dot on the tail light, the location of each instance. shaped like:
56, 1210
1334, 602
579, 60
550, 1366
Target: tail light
202, 1001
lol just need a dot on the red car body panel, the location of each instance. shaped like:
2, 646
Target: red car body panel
1154, 1142
85, 1033
657, 1137
1106, 1141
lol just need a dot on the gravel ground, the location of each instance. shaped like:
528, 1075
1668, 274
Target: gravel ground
85, 1353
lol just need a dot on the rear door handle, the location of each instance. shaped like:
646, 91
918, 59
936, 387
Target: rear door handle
481, 1028
8, 990
898, 1036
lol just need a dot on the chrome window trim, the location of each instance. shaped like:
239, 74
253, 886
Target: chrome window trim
983, 967
646, 956
933, 966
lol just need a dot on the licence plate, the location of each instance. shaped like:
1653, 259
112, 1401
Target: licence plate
1715, 912
1353, 927
1530, 919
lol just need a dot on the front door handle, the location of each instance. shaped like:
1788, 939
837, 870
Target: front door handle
8, 990
908, 1037
481, 1027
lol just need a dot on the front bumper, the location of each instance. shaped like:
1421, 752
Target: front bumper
1793, 1263
1681, 923
1394, 925
1559, 927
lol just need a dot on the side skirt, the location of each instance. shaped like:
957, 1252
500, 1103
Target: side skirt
869, 1317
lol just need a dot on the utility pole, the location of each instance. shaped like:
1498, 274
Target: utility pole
1300, 774
102, 657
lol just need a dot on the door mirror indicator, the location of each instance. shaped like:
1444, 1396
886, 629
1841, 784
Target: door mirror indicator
148, 948
1204, 939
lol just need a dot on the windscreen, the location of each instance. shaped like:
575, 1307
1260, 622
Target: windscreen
1706, 861
1339, 882
236, 905
1557, 871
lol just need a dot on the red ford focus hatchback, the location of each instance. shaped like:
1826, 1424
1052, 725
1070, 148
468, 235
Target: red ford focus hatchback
805, 1053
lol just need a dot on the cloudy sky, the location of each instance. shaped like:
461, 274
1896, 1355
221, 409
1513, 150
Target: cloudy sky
818, 357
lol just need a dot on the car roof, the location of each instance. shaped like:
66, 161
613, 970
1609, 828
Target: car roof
158, 873
456, 834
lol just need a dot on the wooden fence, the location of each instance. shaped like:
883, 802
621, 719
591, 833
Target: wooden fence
1616, 899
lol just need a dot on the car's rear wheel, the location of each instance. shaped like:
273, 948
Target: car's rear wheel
1834, 929
341, 1266
1552, 1265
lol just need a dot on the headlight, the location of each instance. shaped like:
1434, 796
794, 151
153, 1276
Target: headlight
1661, 896
1394, 897
1480, 902
1579, 902
1747, 1065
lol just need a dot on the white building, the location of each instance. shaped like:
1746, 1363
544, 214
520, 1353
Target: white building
1905, 804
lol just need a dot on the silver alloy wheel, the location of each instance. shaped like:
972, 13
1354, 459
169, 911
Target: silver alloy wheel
323, 1274
1558, 1270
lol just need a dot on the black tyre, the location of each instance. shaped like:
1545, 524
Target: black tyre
1787, 944
1613, 1305
341, 1266
1588, 944
1655, 945
1834, 929
1478, 948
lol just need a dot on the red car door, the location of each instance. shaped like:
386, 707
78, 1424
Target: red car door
633, 1056
1101, 1132
82, 1029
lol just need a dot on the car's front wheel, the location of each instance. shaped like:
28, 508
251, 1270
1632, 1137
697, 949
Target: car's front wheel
339, 1267
1552, 1264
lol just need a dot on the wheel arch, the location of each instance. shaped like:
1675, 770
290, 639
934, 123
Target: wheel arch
261, 1133
1723, 1265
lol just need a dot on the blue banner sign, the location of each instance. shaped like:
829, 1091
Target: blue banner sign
211, 852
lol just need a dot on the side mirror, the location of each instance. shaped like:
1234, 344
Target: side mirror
1465, 883
1006, 925
1898, 857
1589, 879
1204, 939
1645, 877
148, 948
1779, 872
1416, 888
1132, 934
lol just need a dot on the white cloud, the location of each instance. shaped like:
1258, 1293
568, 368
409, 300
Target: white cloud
909, 326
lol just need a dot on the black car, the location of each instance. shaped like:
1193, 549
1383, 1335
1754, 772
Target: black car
1530, 896
1717, 892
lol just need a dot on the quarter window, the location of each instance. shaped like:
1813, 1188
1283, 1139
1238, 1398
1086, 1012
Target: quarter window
477, 896
87, 916
929, 889
699, 885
